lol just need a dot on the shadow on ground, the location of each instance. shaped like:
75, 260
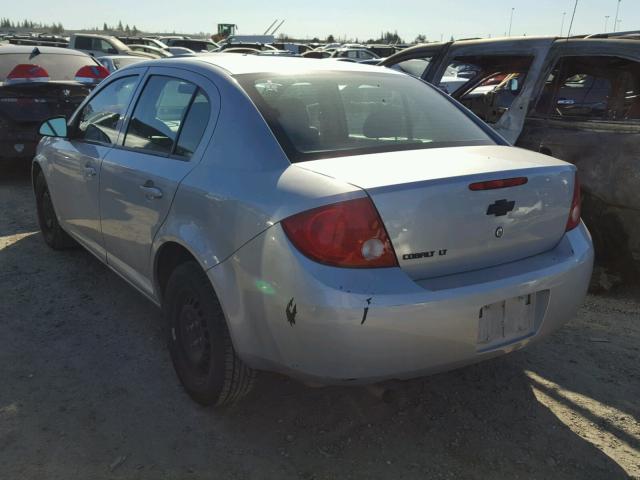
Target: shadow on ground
88, 391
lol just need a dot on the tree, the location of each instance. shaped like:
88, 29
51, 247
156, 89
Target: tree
127, 29
134, 30
120, 27
105, 27
330, 39
421, 39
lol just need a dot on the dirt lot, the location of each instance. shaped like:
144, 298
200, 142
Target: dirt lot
87, 391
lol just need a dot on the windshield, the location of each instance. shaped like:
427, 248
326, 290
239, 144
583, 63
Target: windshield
350, 113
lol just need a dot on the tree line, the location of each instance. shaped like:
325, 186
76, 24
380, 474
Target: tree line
7, 23
58, 28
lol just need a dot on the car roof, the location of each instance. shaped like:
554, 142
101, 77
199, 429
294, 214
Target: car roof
118, 57
515, 41
30, 48
239, 64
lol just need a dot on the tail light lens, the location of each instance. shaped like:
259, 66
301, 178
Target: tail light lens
576, 206
91, 74
26, 72
346, 234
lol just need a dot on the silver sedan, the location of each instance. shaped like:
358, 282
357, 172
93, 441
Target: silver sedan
335, 222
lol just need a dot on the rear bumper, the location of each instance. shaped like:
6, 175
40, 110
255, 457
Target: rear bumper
294, 316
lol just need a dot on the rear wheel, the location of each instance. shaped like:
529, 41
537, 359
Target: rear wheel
53, 234
199, 340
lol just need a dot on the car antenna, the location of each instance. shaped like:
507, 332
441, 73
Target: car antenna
575, 7
34, 53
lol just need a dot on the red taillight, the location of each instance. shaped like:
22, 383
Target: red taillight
345, 234
26, 72
495, 184
576, 206
92, 74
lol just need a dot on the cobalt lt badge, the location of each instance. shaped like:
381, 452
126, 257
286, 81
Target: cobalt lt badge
499, 232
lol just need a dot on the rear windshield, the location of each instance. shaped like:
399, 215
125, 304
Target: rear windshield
58, 66
329, 114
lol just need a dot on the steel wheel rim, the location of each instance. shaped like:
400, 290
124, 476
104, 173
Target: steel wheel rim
193, 335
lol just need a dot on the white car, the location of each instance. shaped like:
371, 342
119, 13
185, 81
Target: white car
115, 62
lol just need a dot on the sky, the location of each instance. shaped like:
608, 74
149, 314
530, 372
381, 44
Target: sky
362, 19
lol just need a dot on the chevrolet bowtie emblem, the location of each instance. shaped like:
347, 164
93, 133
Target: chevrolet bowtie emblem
501, 207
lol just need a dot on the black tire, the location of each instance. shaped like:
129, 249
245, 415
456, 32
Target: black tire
199, 340
53, 234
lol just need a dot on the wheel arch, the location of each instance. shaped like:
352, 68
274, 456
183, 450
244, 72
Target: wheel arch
169, 255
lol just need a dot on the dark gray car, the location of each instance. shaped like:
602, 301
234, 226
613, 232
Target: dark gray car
576, 99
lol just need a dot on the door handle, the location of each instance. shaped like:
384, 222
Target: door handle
151, 192
89, 172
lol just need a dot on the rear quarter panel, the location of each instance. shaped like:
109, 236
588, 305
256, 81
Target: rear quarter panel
243, 185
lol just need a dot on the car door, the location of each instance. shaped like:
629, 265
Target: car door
485, 59
589, 115
140, 177
76, 161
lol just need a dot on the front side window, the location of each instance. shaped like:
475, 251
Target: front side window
100, 120
160, 113
347, 113
487, 84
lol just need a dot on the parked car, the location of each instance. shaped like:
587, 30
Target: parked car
316, 54
175, 51
243, 50
381, 51
356, 54
100, 45
369, 228
37, 83
115, 62
577, 99
154, 51
197, 45
151, 42
251, 45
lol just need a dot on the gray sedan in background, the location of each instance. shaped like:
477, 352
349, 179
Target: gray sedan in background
335, 222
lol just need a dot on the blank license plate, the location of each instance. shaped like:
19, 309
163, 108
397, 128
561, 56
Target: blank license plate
503, 322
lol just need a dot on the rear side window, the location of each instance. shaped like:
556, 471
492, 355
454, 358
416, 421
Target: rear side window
350, 113
60, 67
83, 43
592, 88
163, 112
101, 119
194, 126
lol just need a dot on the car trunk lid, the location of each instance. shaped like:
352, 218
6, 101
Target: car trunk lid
439, 226
35, 102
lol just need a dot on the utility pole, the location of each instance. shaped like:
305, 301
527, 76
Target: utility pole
511, 21
575, 8
564, 14
606, 23
615, 23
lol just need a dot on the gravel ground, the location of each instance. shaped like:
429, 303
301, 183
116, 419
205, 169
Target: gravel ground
88, 391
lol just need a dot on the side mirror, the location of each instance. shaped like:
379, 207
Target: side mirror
514, 85
54, 127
